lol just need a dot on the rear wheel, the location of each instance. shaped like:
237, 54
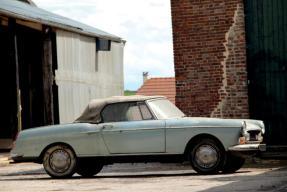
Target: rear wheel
59, 161
232, 163
88, 168
206, 156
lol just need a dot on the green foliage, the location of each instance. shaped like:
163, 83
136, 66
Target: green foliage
129, 92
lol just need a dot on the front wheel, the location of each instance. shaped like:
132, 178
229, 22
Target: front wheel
88, 168
232, 163
59, 161
206, 156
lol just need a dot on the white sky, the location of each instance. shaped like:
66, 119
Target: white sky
144, 24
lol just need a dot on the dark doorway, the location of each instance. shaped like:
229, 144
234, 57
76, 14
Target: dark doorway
266, 31
26, 48
30, 46
8, 117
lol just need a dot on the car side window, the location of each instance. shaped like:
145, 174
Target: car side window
133, 113
121, 112
146, 114
114, 112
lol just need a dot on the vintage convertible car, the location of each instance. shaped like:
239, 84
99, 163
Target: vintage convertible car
139, 129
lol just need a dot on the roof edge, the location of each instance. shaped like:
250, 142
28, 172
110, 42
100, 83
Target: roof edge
60, 25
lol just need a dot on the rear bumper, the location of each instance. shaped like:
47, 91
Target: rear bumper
20, 158
248, 148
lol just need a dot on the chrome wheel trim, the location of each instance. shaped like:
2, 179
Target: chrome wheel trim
206, 156
60, 161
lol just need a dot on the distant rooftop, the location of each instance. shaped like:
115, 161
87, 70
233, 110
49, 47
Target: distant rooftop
164, 86
28, 11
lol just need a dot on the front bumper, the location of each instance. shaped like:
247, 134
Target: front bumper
248, 147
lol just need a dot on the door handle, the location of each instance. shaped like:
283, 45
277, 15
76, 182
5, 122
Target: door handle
90, 132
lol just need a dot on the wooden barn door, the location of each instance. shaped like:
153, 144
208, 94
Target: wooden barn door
266, 33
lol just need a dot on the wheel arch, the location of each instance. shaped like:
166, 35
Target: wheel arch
40, 159
199, 137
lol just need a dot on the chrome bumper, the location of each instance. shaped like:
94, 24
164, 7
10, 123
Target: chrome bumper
248, 147
16, 157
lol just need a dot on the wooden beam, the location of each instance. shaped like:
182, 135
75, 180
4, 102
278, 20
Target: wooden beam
33, 25
14, 60
3, 20
48, 77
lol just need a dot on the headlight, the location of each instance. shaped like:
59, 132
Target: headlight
243, 135
262, 126
244, 129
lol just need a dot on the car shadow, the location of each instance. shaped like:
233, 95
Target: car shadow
114, 175
148, 172
273, 180
28, 176
234, 180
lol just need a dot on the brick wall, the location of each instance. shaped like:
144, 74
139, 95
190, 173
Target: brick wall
210, 57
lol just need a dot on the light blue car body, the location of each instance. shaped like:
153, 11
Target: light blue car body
146, 137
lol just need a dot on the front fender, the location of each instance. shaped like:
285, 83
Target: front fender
178, 138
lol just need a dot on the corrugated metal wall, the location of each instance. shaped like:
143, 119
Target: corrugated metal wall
79, 79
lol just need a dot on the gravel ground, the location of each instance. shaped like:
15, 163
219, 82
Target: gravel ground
257, 175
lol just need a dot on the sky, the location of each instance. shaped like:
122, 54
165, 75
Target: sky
144, 24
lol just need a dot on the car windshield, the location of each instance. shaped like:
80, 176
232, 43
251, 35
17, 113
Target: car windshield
164, 109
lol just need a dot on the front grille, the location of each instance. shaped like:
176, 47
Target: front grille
254, 135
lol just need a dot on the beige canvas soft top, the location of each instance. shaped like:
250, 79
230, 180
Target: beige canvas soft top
92, 112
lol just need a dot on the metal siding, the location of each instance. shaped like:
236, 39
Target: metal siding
76, 77
25, 11
266, 31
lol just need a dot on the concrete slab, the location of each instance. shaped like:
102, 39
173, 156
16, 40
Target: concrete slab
153, 177
4, 159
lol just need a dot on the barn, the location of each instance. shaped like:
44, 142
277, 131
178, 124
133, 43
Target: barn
51, 67
231, 62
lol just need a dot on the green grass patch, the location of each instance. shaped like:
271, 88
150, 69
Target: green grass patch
129, 92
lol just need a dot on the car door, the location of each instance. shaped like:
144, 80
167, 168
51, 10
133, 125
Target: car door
130, 128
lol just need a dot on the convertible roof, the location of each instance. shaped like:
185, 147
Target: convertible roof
92, 112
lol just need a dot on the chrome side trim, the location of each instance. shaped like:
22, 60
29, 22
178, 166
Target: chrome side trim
125, 130
184, 127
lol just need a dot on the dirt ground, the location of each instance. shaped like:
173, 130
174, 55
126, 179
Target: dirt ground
255, 176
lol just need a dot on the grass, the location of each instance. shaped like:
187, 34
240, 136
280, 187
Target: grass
129, 92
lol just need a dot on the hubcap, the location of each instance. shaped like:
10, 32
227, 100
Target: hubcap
60, 161
206, 156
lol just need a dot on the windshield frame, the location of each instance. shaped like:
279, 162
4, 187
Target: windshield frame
155, 115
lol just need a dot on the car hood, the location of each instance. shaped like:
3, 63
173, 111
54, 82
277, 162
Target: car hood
248, 124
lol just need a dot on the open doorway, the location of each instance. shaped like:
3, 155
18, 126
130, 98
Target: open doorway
8, 117
29, 45
23, 60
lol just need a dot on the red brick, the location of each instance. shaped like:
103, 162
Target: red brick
199, 36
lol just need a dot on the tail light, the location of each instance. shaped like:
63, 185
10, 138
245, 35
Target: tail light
14, 140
